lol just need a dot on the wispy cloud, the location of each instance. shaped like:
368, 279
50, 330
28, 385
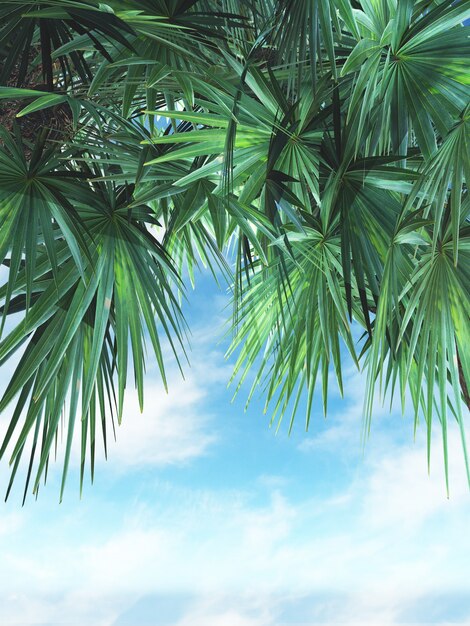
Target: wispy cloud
173, 429
178, 426
381, 542
344, 425
363, 554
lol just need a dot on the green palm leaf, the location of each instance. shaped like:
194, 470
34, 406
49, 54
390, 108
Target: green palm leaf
315, 155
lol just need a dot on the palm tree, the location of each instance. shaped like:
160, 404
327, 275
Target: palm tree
320, 147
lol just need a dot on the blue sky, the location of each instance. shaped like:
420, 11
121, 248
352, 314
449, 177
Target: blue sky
203, 515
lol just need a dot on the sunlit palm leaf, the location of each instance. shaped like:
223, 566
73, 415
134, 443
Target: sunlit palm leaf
315, 152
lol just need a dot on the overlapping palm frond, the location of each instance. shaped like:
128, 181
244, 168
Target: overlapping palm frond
325, 142
84, 299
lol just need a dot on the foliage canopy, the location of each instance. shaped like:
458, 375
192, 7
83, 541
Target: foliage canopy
323, 143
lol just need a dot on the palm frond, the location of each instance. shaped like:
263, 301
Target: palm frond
313, 154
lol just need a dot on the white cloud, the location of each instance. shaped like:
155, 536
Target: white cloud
400, 491
229, 611
355, 550
178, 426
383, 532
379, 542
10, 523
173, 428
